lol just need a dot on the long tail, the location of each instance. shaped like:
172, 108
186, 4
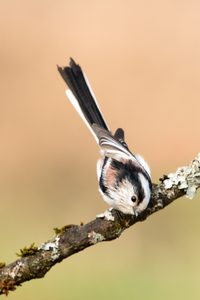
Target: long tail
81, 96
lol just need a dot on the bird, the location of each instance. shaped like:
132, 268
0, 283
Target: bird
124, 178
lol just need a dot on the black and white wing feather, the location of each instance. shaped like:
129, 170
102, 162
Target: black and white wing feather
110, 145
117, 149
81, 96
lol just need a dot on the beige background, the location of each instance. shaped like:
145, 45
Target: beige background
143, 62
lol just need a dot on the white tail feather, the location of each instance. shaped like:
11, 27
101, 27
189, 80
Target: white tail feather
93, 95
76, 105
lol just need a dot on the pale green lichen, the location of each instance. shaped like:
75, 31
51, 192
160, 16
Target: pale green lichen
186, 178
52, 246
95, 237
14, 271
107, 215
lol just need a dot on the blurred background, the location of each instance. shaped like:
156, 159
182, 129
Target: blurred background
142, 59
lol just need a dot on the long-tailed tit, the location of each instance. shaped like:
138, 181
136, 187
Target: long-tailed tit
124, 178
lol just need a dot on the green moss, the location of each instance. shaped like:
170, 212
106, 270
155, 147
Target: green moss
63, 229
7, 285
2, 264
27, 251
57, 230
118, 228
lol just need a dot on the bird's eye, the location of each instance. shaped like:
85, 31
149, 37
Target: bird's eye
133, 199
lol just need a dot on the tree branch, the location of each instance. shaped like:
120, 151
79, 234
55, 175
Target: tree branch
35, 262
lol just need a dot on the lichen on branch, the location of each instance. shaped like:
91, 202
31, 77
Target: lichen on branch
35, 262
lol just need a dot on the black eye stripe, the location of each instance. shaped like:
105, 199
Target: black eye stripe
130, 172
101, 181
140, 192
